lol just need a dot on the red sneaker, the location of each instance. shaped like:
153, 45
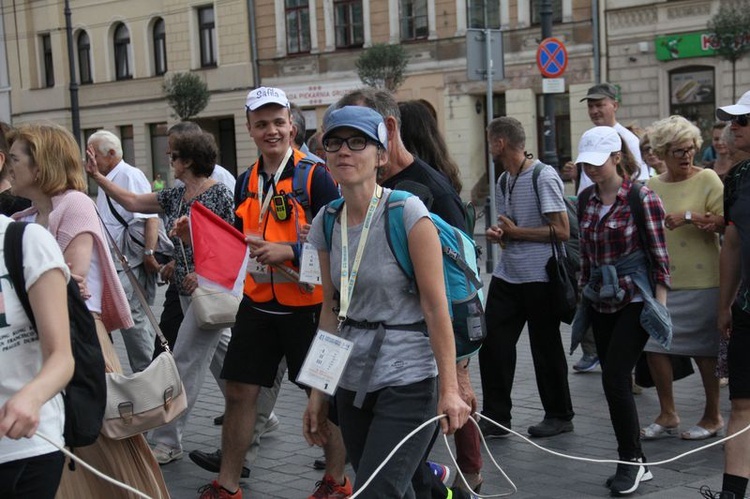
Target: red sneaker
215, 491
328, 488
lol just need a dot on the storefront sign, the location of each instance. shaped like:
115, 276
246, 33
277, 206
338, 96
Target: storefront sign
322, 94
684, 45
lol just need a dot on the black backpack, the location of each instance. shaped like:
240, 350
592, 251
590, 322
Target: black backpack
86, 394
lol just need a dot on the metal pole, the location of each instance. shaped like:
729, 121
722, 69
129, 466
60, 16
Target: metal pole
74, 110
549, 155
253, 42
595, 29
489, 111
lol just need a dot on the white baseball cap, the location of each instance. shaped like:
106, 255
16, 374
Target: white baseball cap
262, 96
726, 113
597, 144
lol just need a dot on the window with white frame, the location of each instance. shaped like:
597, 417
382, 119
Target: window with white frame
47, 61
414, 25
123, 69
483, 14
349, 24
160, 47
83, 45
297, 13
207, 36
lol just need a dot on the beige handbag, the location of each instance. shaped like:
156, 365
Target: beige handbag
151, 398
143, 401
214, 309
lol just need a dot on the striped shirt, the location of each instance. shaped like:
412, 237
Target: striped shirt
524, 261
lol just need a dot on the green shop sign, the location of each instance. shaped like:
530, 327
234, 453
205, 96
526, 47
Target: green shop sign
684, 45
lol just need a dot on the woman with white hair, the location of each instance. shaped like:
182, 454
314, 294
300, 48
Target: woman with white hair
693, 199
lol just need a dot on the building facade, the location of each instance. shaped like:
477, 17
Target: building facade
124, 50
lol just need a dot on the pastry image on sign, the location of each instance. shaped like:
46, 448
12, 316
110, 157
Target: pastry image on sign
686, 91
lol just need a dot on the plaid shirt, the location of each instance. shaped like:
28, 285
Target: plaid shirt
604, 240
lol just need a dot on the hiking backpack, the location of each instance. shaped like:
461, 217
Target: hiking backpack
572, 245
460, 271
85, 396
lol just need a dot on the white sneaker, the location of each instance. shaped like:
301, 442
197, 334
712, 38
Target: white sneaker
272, 424
165, 455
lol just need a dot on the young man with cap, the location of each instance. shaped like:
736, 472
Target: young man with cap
278, 316
734, 302
520, 285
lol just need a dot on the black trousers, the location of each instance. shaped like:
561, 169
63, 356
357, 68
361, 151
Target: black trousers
36, 477
509, 308
620, 340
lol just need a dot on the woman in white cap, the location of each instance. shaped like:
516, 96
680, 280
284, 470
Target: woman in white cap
389, 385
693, 199
617, 289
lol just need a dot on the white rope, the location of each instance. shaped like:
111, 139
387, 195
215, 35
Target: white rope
617, 461
478, 416
92, 469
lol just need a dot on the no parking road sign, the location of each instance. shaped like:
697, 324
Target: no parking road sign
552, 57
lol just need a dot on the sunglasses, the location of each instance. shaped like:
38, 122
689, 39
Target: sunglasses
173, 156
741, 120
356, 143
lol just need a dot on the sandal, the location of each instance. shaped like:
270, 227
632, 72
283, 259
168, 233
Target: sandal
655, 431
699, 433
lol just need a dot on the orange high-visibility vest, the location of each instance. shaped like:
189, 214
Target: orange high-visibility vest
277, 285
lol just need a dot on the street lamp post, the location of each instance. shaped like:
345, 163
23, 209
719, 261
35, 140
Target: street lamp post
549, 155
74, 111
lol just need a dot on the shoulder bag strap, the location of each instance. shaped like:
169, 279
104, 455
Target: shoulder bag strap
115, 213
139, 291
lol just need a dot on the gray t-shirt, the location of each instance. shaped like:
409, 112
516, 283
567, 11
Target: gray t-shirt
524, 261
380, 295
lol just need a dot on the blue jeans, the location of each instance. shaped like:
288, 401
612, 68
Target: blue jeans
371, 433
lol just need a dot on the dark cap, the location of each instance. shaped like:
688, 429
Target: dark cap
601, 91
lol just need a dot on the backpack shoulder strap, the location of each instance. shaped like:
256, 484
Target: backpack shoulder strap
243, 194
395, 231
13, 247
300, 182
330, 213
504, 183
535, 183
583, 200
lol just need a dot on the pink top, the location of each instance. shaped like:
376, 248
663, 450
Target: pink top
73, 213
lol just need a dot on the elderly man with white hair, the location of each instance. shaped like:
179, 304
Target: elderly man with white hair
139, 339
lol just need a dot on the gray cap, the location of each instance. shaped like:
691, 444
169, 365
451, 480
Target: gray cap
601, 91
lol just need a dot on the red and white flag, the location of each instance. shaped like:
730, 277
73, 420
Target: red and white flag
219, 250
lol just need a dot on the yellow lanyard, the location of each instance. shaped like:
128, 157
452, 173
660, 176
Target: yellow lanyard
349, 277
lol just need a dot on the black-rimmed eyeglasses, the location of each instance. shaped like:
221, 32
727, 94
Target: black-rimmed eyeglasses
356, 143
681, 153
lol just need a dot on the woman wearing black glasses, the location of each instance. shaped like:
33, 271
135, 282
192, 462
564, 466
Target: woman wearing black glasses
192, 157
692, 199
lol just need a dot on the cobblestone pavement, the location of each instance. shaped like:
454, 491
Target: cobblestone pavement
284, 467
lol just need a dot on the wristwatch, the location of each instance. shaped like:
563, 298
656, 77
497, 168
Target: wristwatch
148, 252
688, 217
